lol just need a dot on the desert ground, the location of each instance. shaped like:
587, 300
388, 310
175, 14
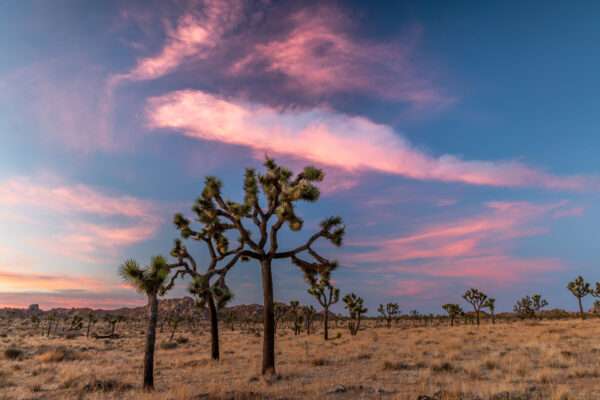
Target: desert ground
535, 359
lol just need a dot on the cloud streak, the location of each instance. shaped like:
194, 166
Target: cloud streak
336, 139
98, 223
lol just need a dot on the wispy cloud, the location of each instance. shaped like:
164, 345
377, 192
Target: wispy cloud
196, 34
79, 221
319, 55
472, 249
336, 139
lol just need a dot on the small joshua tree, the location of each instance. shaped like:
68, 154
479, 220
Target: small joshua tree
92, 319
35, 321
295, 313
453, 310
354, 304
476, 299
50, 319
538, 303
580, 289
309, 313
390, 311
76, 323
174, 324
150, 281
491, 305
326, 295
230, 319
280, 311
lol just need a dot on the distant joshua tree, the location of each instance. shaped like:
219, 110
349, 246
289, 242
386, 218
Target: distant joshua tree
92, 319
580, 289
491, 305
295, 313
326, 295
354, 304
390, 311
453, 310
50, 319
596, 293
280, 311
150, 281
309, 313
476, 299
174, 324
230, 319
529, 307
35, 321
76, 323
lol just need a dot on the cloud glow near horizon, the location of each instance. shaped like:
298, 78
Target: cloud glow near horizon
450, 170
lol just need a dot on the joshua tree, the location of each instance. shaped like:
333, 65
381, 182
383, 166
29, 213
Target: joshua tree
295, 312
538, 303
529, 307
476, 299
389, 312
596, 293
282, 191
213, 295
92, 319
230, 319
491, 304
150, 281
326, 295
174, 324
280, 311
453, 310
354, 304
76, 323
35, 320
309, 313
580, 289
50, 319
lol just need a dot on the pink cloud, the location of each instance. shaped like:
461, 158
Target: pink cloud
196, 34
472, 250
348, 142
119, 220
319, 56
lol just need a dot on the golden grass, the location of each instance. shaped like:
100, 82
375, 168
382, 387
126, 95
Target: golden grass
559, 358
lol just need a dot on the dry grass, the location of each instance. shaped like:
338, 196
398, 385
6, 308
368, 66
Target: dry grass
559, 358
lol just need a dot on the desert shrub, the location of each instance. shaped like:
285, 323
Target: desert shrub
5, 379
12, 353
168, 345
395, 366
319, 361
51, 356
442, 367
490, 365
72, 334
93, 384
182, 339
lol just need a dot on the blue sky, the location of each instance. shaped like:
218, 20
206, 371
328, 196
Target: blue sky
458, 140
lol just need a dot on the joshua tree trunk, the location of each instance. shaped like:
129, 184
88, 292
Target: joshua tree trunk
325, 323
493, 320
581, 308
452, 321
150, 340
214, 327
268, 365
477, 317
49, 328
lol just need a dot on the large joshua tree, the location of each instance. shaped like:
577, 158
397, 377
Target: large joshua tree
491, 305
210, 293
476, 299
326, 295
579, 288
389, 312
453, 310
151, 282
279, 191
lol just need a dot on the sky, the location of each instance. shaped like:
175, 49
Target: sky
459, 142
